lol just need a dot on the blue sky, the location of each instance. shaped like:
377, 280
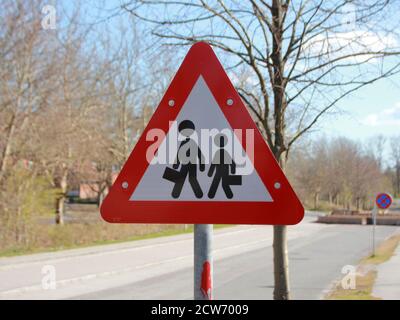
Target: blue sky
373, 110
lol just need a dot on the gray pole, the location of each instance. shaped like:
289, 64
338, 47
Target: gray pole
203, 262
374, 213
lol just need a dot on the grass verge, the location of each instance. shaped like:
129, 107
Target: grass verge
366, 273
64, 237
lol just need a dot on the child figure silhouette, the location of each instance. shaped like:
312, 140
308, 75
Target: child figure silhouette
223, 168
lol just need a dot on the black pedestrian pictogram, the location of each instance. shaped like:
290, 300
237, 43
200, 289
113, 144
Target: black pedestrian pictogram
223, 168
188, 157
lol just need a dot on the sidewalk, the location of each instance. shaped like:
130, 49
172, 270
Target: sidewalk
387, 284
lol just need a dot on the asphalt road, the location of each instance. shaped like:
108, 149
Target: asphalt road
162, 268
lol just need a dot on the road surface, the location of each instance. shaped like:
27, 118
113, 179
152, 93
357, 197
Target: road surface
162, 268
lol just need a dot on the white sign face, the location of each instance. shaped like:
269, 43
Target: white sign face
202, 129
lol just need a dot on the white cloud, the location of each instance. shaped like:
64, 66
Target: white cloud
337, 44
387, 117
240, 78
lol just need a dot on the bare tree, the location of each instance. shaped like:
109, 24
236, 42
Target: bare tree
310, 170
132, 79
28, 70
304, 57
72, 103
63, 131
337, 169
26, 76
376, 147
395, 157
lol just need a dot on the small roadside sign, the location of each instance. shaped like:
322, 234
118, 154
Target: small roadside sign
383, 201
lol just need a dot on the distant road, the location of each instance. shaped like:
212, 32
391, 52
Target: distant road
395, 208
162, 268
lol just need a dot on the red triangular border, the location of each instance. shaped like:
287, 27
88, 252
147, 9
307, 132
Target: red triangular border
285, 209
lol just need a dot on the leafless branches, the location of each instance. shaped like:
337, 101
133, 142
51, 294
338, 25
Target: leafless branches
300, 53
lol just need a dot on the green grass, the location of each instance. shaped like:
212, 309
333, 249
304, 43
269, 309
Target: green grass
10, 252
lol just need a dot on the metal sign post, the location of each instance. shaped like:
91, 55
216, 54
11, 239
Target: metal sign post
374, 213
203, 264
382, 201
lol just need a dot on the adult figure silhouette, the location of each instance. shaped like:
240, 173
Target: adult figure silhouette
188, 157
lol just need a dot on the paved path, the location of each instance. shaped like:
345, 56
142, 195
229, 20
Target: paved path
387, 284
162, 268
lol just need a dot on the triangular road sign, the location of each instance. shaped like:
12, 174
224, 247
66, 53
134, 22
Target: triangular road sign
201, 159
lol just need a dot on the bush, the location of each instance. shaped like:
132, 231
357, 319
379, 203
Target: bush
24, 197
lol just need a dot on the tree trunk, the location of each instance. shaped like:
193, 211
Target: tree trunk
281, 264
281, 260
7, 148
60, 207
397, 191
316, 200
60, 203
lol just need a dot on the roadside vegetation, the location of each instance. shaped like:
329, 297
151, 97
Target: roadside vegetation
46, 238
341, 173
52, 238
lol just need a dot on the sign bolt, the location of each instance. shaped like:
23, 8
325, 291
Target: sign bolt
229, 102
171, 103
277, 185
125, 185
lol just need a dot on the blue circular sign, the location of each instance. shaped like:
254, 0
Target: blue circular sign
383, 200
